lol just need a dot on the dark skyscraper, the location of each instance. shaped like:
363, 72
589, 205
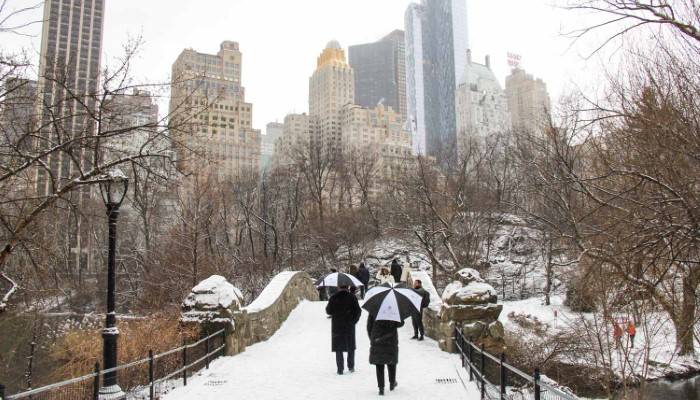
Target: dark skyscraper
436, 54
71, 46
380, 72
69, 70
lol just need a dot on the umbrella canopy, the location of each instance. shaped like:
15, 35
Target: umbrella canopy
392, 302
338, 279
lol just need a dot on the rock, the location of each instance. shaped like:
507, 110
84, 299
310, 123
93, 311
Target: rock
214, 300
472, 294
496, 330
473, 330
468, 275
486, 313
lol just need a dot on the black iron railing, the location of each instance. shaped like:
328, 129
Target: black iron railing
498, 380
143, 379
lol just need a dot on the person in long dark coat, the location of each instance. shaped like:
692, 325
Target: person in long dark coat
396, 270
363, 276
417, 319
345, 311
384, 349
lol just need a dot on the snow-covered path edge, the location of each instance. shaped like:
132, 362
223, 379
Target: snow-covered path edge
296, 363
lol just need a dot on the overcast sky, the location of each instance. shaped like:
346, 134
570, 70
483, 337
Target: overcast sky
280, 39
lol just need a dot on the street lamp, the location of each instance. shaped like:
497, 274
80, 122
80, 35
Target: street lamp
113, 187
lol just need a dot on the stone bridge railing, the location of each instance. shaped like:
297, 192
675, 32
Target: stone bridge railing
216, 304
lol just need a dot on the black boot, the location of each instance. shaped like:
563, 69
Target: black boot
393, 385
381, 391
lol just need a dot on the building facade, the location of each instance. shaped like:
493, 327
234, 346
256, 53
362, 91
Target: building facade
295, 138
380, 72
18, 119
436, 52
376, 136
331, 87
481, 104
68, 92
528, 101
211, 123
437, 43
137, 112
69, 68
273, 130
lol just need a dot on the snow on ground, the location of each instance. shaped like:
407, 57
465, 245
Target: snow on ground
296, 363
655, 336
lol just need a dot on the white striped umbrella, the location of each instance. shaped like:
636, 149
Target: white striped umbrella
338, 279
392, 302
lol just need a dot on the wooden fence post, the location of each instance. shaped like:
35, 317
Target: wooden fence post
2, 391
206, 348
538, 390
471, 360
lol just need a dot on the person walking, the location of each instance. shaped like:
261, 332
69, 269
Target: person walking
363, 276
345, 311
384, 276
617, 333
632, 331
417, 319
384, 349
396, 270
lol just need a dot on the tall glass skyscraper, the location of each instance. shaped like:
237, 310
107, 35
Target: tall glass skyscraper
436, 53
380, 72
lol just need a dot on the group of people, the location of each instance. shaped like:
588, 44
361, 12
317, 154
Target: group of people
617, 332
344, 309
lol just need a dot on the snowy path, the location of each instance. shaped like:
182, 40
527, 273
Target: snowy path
296, 363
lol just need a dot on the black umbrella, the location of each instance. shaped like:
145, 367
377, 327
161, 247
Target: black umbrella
392, 302
338, 279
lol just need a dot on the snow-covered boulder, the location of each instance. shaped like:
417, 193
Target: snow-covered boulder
474, 293
212, 300
468, 275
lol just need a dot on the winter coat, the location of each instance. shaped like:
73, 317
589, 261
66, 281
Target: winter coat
425, 295
405, 274
385, 278
396, 271
345, 311
384, 341
363, 276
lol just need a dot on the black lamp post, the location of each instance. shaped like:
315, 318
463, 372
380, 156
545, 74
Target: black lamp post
113, 187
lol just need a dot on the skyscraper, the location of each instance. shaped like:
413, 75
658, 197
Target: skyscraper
436, 53
273, 130
528, 101
68, 91
69, 68
380, 72
211, 121
331, 87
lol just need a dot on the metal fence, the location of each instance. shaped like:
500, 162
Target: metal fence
498, 380
143, 379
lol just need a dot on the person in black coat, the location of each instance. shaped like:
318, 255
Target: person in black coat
396, 270
345, 311
384, 349
417, 319
363, 276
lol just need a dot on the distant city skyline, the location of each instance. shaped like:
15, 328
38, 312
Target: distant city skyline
281, 48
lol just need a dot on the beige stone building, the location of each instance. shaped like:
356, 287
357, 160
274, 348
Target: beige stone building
211, 121
528, 101
331, 87
295, 138
376, 135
